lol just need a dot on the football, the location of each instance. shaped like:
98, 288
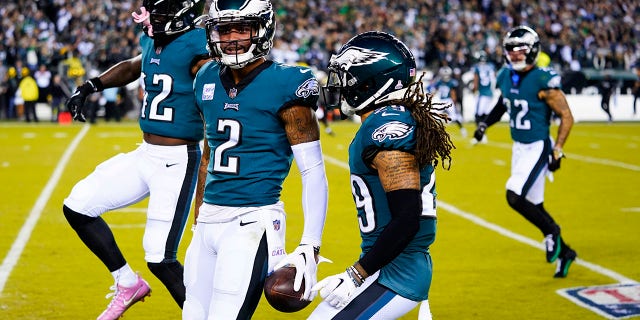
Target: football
278, 289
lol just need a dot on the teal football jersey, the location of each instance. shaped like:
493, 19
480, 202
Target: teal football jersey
392, 128
529, 116
169, 107
486, 75
250, 152
444, 88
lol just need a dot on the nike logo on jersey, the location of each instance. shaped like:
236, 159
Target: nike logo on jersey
384, 114
170, 165
242, 224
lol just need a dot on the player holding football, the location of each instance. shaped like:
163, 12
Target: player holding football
163, 168
259, 116
392, 160
530, 95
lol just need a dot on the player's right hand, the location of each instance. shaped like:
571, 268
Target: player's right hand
479, 133
75, 104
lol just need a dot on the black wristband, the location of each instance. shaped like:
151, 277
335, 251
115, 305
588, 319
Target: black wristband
316, 249
96, 84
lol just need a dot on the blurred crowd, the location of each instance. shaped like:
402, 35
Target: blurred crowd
75, 40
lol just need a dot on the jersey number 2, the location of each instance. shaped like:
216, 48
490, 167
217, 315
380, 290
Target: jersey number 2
230, 164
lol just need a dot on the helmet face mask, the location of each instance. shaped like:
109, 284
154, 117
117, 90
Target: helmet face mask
171, 17
367, 67
524, 41
253, 18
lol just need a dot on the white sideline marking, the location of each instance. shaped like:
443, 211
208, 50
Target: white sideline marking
573, 156
25, 232
507, 233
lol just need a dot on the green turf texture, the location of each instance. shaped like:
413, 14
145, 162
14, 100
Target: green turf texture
478, 273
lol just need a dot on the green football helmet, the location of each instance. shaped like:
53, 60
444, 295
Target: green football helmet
255, 13
369, 66
522, 38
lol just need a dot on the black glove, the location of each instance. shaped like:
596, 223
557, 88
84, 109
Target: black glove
479, 133
554, 160
76, 102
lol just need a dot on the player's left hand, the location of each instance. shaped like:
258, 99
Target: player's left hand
337, 289
554, 160
303, 258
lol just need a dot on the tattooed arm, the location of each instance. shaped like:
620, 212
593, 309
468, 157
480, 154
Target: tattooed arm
400, 178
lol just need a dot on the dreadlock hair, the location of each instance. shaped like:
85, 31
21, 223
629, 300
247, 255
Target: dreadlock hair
434, 141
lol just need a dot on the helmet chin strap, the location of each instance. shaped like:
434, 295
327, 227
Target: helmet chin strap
352, 111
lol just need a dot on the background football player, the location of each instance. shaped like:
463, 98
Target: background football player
484, 79
163, 167
444, 86
392, 160
530, 95
259, 116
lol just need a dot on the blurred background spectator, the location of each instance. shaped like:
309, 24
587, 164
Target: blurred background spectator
580, 39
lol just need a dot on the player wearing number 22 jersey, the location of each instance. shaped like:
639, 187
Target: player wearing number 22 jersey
530, 95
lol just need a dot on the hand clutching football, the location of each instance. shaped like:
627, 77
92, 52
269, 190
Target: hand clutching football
304, 261
279, 292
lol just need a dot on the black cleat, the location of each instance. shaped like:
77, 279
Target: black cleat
553, 244
564, 263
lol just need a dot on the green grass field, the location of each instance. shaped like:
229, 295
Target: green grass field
488, 261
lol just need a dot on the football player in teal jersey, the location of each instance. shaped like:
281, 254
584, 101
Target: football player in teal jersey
530, 95
444, 87
484, 79
392, 161
164, 167
259, 117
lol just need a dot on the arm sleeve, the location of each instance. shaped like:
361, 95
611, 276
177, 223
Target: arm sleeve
496, 113
315, 190
406, 207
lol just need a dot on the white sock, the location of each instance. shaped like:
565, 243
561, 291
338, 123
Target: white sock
425, 312
125, 276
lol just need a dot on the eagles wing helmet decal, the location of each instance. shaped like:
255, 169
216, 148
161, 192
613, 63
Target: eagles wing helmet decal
356, 56
393, 130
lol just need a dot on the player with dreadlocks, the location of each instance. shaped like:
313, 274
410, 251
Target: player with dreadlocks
392, 160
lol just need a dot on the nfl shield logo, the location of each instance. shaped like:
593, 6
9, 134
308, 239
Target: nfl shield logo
276, 225
233, 93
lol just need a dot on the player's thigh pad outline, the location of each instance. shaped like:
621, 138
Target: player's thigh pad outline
115, 183
527, 173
